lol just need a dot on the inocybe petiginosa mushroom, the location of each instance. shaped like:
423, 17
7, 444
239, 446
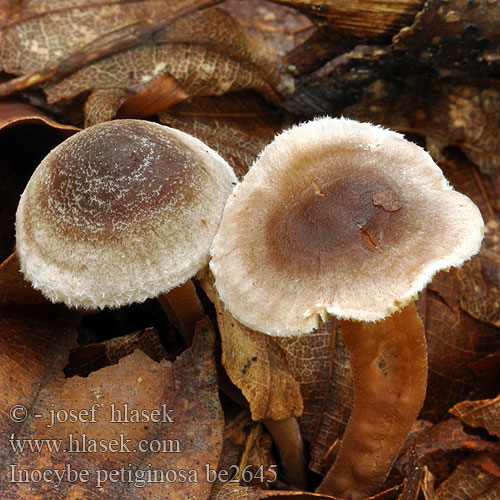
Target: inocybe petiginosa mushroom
348, 219
121, 212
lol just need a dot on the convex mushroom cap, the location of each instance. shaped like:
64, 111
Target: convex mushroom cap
337, 217
120, 212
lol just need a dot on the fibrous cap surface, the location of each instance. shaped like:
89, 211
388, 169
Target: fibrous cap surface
120, 212
338, 217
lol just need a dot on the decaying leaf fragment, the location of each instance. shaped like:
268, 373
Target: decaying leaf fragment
43, 32
206, 53
455, 340
480, 279
327, 389
64, 36
187, 429
469, 481
247, 457
483, 413
257, 367
91, 357
444, 437
34, 341
17, 113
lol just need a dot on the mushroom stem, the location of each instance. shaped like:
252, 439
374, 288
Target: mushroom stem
389, 367
288, 441
183, 308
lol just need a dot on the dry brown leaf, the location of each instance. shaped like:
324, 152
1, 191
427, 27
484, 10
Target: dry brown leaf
484, 413
455, 340
487, 370
189, 438
480, 281
479, 278
7, 9
475, 286
439, 448
248, 460
238, 126
469, 481
47, 31
246, 447
34, 342
206, 52
258, 368
281, 28
327, 388
487, 462
17, 113
444, 437
162, 93
464, 176
91, 357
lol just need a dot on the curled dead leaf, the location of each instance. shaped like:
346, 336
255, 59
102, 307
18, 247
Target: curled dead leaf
254, 364
64, 37
206, 52
437, 446
483, 413
34, 342
17, 113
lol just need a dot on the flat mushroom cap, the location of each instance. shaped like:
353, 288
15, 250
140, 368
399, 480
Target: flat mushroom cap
337, 217
120, 212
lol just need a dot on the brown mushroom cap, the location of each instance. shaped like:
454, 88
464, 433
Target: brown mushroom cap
337, 217
120, 212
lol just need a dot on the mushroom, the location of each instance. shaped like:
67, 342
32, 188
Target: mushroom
347, 219
121, 212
